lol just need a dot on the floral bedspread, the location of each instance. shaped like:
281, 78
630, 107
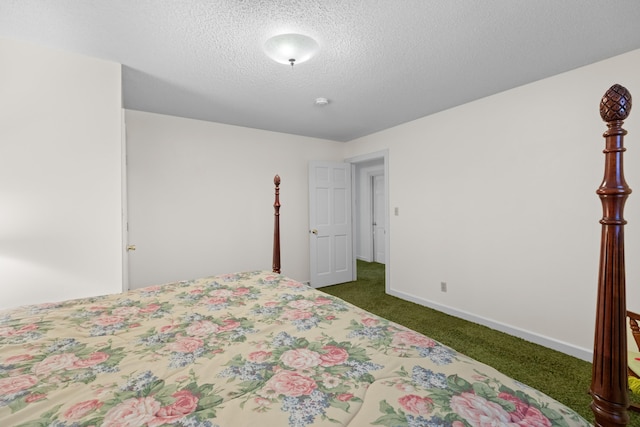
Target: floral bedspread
248, 349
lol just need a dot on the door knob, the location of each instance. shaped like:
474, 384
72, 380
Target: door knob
314, 231
131, 248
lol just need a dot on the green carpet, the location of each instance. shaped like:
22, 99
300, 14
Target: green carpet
565, 378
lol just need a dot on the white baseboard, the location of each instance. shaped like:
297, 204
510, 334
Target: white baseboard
571, 350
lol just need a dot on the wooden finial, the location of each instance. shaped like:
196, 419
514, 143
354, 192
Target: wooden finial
615, 104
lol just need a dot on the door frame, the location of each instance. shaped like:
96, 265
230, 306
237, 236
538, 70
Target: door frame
363, 158
372, 229
125, 212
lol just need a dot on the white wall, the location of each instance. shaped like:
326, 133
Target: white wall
201, 197
60, 175
497, 198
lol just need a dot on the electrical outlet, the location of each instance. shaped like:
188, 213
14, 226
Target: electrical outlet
443, 286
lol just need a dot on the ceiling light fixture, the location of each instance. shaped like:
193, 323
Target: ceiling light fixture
291, 48
322, 101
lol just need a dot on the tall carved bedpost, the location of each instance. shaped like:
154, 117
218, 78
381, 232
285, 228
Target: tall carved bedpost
609, 383
276, 227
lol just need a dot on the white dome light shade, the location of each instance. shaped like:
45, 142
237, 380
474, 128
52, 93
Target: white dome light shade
291, 48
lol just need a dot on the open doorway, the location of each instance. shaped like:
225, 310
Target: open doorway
370, 207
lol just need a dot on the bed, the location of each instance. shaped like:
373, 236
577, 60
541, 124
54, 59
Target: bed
258, 348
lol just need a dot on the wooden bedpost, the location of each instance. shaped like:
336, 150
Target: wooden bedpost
609, 382
276, 227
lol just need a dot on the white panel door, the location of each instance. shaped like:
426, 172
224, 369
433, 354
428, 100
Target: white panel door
330, 237
379, 218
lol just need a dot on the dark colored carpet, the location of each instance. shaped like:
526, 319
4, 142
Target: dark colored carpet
563, 377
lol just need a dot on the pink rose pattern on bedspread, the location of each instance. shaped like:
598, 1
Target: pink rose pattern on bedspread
243, 350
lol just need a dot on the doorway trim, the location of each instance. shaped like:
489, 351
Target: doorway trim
384, 155
373, 219
124, 217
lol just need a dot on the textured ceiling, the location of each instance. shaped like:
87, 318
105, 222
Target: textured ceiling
381, 62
